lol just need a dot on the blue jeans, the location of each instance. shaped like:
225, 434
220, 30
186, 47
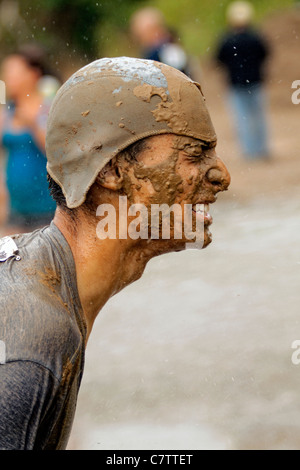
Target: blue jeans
248, 104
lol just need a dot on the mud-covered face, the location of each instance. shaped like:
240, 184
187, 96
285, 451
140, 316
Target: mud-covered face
141, 98
177, 171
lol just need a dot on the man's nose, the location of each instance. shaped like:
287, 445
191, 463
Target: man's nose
219, 176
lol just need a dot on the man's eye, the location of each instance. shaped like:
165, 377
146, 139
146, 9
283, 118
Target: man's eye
196, 158
198, 154
206, 148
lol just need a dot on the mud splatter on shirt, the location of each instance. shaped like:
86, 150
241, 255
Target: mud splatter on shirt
42, 327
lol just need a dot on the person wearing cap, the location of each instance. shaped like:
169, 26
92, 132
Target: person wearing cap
243, 53
120, 127
158, 42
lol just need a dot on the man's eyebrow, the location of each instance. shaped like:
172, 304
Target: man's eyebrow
197, 147
205, 145
208, 145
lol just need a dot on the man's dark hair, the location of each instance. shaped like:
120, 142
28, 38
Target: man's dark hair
129, 154
35, 57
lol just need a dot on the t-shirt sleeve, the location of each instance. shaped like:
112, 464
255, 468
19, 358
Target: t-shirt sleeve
26, 393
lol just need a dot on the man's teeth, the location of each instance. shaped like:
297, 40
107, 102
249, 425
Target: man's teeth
201, 208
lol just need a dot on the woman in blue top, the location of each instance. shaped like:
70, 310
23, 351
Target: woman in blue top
23, 129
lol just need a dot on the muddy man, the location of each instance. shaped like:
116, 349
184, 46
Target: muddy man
118, 128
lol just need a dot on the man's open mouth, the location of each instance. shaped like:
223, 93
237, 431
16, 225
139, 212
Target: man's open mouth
202, 210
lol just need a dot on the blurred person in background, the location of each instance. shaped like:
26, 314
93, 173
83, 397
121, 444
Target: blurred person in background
158, 42
23, 128
243, 52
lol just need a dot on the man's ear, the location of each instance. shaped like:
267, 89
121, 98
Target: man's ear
110, 177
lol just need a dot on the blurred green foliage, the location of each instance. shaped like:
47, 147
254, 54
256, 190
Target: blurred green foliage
199, 23
83, 30
77, 22
67, 28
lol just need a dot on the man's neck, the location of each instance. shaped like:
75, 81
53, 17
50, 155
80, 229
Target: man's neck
103, 267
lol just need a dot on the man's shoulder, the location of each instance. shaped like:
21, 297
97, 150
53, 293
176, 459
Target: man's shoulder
30, 271
37, 319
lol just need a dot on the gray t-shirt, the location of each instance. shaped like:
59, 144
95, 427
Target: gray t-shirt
42, 335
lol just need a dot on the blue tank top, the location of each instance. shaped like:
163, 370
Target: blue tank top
26, 174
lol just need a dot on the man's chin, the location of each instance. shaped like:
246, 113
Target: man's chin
176, 245
207, 237
196, 244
